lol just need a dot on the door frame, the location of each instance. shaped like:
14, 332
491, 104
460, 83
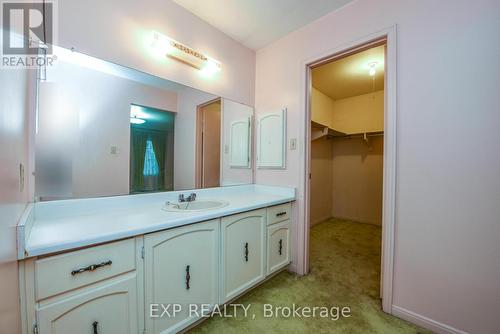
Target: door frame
198, 160
388, 37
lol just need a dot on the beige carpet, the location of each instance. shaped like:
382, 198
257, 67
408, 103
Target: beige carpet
345, 271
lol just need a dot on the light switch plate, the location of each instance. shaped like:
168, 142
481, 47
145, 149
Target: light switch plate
293, 144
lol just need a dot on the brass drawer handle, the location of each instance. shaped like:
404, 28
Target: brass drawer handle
280, 251
92, 267
282, 213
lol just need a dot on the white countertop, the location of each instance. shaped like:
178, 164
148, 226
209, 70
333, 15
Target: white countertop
49, 227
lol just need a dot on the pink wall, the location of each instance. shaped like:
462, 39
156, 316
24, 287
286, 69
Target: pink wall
357, 169
448, 161
117, 31
346, 180
14, 106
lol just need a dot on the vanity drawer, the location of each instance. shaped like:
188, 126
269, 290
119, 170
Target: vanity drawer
278, 213
65, 272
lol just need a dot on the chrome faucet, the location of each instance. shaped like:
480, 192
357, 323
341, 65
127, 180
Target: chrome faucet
190, 198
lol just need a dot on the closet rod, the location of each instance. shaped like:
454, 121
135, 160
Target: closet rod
360, 135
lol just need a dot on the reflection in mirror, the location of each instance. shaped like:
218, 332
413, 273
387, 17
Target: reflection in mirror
151, 149
240, 130
104, 129
238, 144
208, 144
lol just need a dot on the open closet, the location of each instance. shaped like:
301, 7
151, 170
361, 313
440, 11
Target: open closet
346, 181
347, 133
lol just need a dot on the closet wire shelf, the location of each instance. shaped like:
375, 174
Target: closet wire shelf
319, 131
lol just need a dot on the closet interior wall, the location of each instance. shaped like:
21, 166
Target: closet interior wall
346, 172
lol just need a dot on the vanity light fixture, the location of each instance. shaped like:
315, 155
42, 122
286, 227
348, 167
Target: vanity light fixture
372, 70
180, 52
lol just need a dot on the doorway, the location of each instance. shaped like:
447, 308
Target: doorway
208, 144
385, 38
151, 149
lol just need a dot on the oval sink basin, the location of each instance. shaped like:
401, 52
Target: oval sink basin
198, 205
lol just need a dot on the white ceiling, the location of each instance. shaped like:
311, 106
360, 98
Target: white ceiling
349, 76
257, 23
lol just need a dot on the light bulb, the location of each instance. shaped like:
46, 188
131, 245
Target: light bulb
135, 120
372, 70
212, 65
210, 68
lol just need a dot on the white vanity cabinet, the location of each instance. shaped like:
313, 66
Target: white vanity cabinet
278, 246
109, 308
243, 252
93, 290
150, 283
181, 268
278, 237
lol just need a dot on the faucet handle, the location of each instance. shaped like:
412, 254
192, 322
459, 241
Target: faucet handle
181, 198
193, 196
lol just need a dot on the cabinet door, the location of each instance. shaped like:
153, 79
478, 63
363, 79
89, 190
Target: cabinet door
109, 308
278, 246
271, 140
243, 252
181, 268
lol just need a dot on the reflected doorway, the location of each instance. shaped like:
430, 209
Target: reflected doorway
151, 149
208, 144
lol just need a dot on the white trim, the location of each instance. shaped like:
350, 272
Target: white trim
23, 229
389, 178
425, 322
389, 186
292, 267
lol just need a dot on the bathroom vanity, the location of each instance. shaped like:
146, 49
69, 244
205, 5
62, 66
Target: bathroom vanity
134, 263
111, 265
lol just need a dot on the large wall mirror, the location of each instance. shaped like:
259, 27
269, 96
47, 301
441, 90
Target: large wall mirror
103, 129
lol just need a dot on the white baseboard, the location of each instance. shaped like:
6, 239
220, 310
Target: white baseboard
425, 322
